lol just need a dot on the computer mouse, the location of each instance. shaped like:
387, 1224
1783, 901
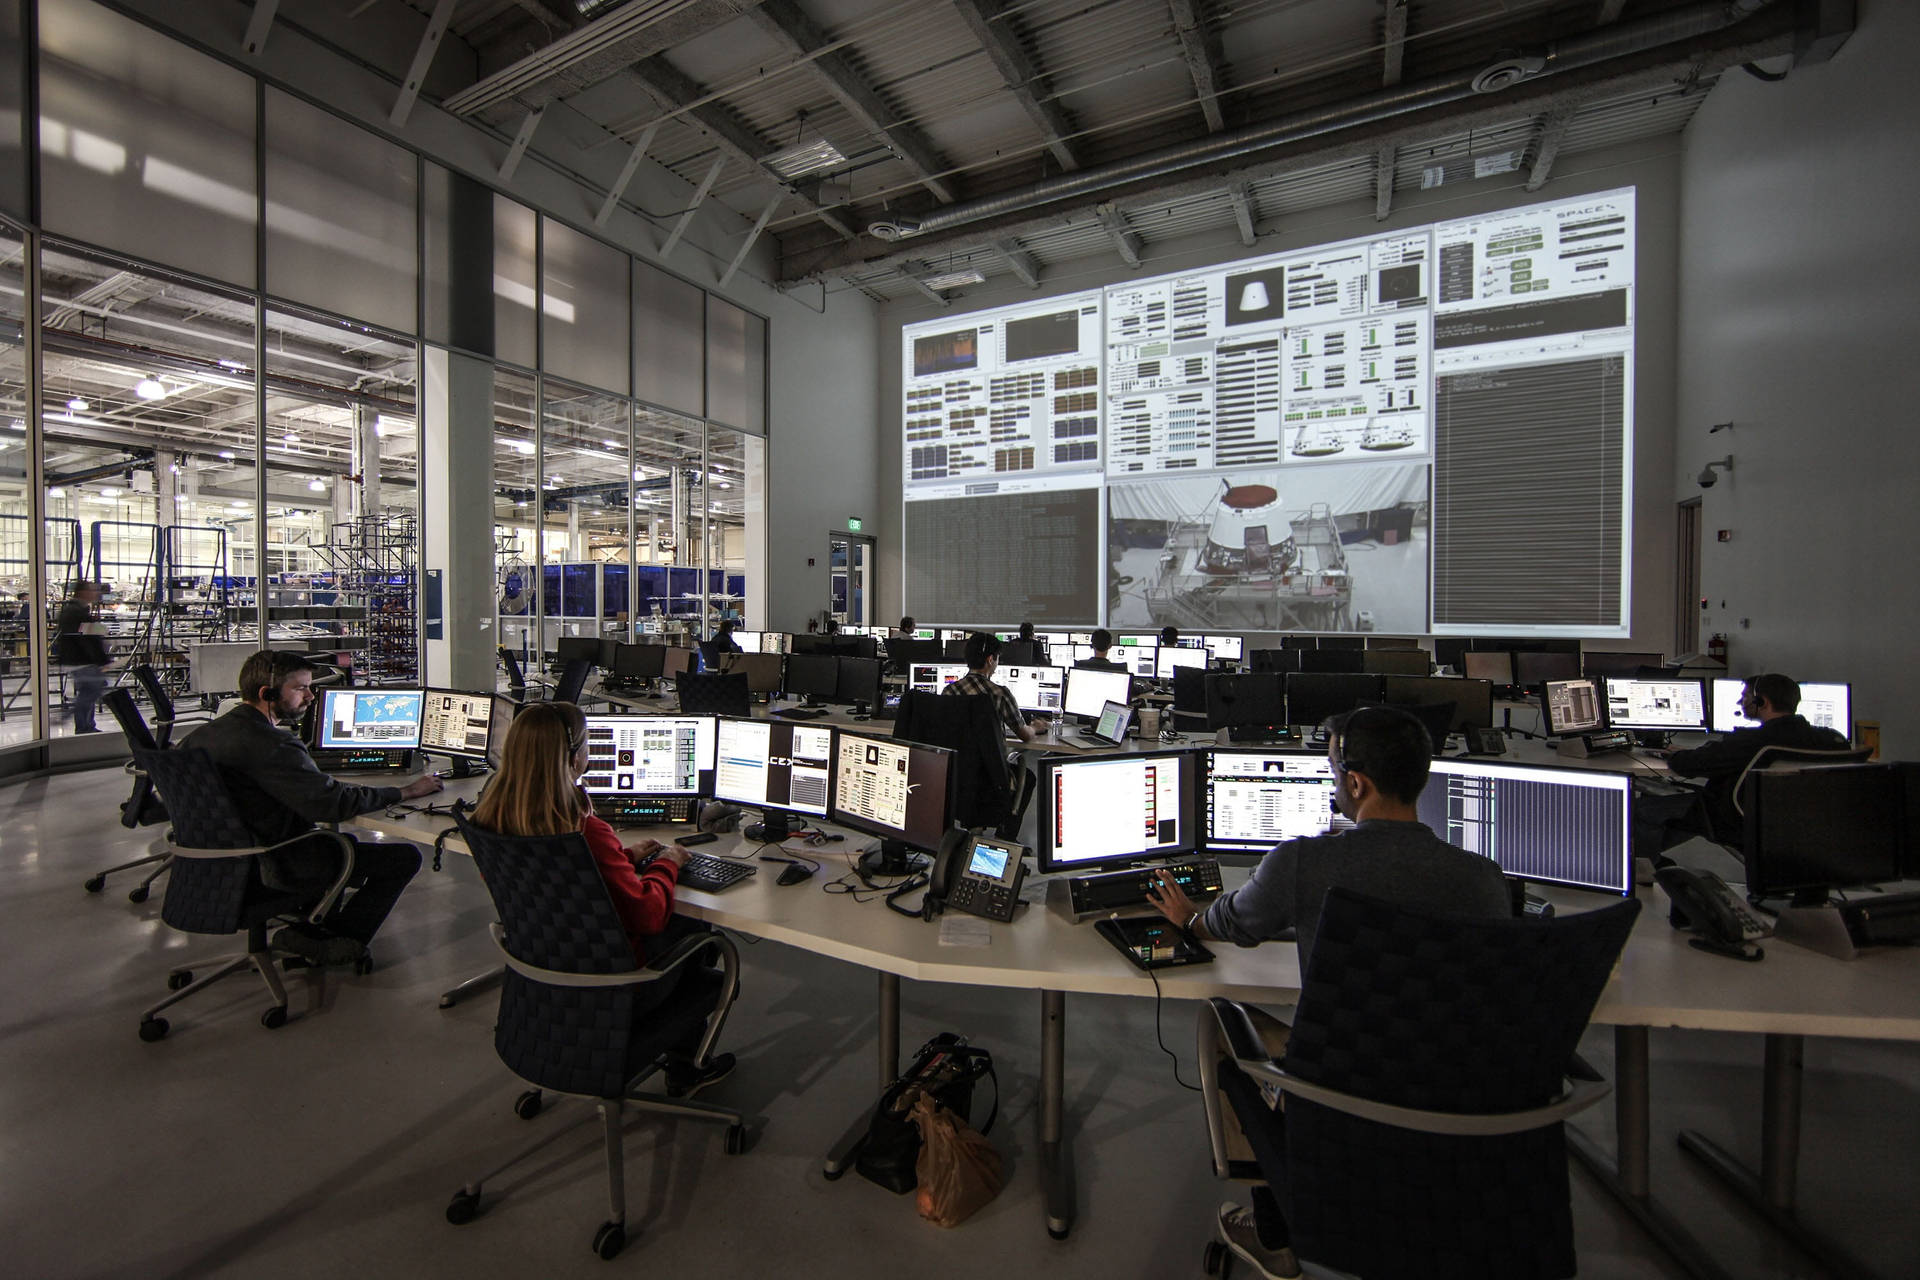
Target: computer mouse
794, 873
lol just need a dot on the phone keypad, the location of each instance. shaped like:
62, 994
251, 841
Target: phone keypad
984, 898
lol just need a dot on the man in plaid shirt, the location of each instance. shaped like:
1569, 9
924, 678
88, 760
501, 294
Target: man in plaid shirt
983, 659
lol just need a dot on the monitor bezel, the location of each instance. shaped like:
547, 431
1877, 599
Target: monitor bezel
1045, 861
453, 753
711, 771
323, 720
853, 821
1606, 702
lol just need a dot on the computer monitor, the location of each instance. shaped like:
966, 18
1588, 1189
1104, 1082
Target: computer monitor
1472, 699
1396, 662
572, 648
934, 677
1314, 696
813, 676
1549, 825
773, 765
1534, 668
764, 671
1253, 799
1496, 666
859, 681
1570, 707
1139, 654
1171, 660
1109, 811
1034, 688
749, 641
455, 722
1282, 660
775, 642
1829, 706
637, 755
1342, 661
1088, 690
1598, 664
1224, 648
1246, 698
676, 660
1809, 831
639, 661
384, 718
892, 789
1022, 653
1342, 642
1656, 704
498, 721
903, 654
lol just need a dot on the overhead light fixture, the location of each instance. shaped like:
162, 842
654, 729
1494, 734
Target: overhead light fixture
239, 506
385, 424
317, 485
802, 158
149, 388
521, 503
725, 484
954, 279
78, 405
611, 444
56, 493
108, 491
290, 438
226, 453
524, 447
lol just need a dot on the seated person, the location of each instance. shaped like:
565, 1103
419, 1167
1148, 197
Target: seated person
1774, 701
1381, 757
905, 630
1102, 641
280, 793
1169, 637
721, 642
535, 793
983, 659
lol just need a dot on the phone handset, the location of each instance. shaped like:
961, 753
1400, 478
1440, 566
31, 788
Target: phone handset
955, 847
1702, 902
978, 875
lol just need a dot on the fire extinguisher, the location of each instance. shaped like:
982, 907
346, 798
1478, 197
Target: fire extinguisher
1717, 647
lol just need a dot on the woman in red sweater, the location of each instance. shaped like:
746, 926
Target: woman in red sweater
537, 793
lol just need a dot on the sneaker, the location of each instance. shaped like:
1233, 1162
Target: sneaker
318, 948
684, 1079
1238, 1232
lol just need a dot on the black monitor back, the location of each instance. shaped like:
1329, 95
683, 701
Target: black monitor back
1472, 700
954, 650
1535, 667
1436, 716
1451, 651
1396, 662
1281, 660
1234, 699
1392, 642
1350, 661
1023, 653
859, 681
1312, 696
639, 661
1190, 690
809, 644
902, 654
568, 648
1342, 642
1598, 664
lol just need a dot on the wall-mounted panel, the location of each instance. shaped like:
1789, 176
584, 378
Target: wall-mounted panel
669, 324
584, 309
736, 366
482, 268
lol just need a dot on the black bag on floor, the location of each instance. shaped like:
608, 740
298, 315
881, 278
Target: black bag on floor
946, 1069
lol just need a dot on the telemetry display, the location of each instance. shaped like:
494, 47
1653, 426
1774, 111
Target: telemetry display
371, 718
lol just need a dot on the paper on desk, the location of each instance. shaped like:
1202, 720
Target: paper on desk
958, 930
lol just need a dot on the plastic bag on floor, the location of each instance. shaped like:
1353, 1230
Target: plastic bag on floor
959, 1172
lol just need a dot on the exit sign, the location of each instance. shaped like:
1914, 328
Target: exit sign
853, 524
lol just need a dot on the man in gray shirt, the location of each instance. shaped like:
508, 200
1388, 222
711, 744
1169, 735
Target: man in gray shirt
1380, 757
281, 793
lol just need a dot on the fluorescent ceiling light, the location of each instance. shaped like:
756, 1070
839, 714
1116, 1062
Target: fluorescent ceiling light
226, 453
239, 506
805, 157
149, 388
290, 438
317, 485
523, 447
954, 279
108, 491
78, 405
56, 493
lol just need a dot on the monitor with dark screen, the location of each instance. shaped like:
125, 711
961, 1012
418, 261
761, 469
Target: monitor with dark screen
639, 661
1343, 661
891, 789
1531, 669
1570, 707
571, 648
1472, 699
639, 755
813, 676
1108, 811
858, 682
1235, 700
498, 722
1810, 831
764, 671
1550, 825
1491, 665
1396, 662
1315, 696
1282, 660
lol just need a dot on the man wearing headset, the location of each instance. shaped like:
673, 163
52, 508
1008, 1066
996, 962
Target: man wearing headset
280, 793
1773, 701
1380, 758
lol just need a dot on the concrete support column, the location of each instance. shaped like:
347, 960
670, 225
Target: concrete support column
456, 445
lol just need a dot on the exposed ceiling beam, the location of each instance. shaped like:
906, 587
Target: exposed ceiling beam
1125, 242
759, 225
1022, 263
797, 33
1546, 148
1022, 78
1201, 49
671, 90
699, 198
257, 27
422, 62
635, 155
521, 141
1394, 42
1609, 12
1240, 195
1384, 164
911, 270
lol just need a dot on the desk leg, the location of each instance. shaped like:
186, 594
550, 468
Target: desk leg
1629, 1180
846, 1149
1056, 1158
478, 982
1771, 1195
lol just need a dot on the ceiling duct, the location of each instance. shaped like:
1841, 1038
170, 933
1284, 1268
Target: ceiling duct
1614, 41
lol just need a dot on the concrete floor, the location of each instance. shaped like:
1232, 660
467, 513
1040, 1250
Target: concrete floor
330, 1147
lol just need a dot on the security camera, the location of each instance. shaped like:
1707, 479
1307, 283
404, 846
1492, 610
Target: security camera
1708, 474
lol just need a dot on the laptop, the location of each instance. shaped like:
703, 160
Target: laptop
1110, 730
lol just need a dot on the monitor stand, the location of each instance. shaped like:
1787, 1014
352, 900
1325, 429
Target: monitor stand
774, 826
888, 858
465, 768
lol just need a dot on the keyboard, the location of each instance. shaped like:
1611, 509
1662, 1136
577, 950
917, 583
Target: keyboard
710, 875
801, 713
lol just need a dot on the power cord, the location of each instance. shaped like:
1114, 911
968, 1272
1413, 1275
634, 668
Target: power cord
1161, 1039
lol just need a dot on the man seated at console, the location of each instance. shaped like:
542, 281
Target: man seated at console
1380, 757
983, 659
721, 642
1774, 701
280, 793
905, 630
1102, 641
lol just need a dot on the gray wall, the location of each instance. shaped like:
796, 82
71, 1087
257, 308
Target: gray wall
1650, 166
1798, 323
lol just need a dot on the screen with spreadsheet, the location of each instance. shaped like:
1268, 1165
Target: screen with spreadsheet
773, 765
1553, 826
649, 755
1253, 800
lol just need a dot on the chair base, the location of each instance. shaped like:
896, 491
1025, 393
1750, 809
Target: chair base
98, 880
259, 956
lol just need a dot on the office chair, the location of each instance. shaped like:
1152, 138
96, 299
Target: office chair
222, 882
142, 807
576, 1015
166, 717
988, 789
1190, 698
712, 693
1731, 831
1426, 1081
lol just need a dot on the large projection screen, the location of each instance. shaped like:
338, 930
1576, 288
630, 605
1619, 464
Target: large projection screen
1424, 431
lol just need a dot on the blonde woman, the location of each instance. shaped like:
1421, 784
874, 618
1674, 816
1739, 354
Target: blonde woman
536, 792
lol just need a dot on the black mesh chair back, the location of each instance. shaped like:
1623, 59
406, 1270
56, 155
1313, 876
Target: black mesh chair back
556, 913
713, 693
157, 695
573, 680
516, 674
142, 805
126, 712
1440, 1014
982, 791
204, 895
1190, 690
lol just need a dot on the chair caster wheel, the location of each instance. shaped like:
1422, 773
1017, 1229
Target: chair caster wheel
152, 1029
1057, 1233
363, 966
94, 884
179, 978
137, 895
736, 1139
527, 1105
1214, 1260
463, 1208
609, 1240
832, 1174
274, 1018
447, 1002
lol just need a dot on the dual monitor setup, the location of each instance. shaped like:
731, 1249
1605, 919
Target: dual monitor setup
1671, 704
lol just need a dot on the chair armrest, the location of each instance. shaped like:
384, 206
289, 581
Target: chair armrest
1574, 1098
682, 952
327, 899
